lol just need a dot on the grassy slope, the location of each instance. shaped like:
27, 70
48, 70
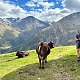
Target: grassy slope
4, 27
62, 65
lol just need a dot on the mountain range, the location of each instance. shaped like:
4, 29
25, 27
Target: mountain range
23, 34
68, 28
16, 32
62, 32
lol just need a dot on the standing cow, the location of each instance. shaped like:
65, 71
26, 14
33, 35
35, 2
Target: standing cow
43, 50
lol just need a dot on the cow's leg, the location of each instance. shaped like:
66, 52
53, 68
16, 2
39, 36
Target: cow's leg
45, 60
43, 64
40, 63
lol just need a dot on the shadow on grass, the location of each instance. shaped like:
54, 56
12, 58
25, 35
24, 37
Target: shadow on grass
12, 59
64, 68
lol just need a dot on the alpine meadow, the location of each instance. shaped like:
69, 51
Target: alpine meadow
61, 65
39, 39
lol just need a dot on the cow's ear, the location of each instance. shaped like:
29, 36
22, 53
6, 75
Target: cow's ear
17, 51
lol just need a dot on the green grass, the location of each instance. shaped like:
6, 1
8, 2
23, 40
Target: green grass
62, 65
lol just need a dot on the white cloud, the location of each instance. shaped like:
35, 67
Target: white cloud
39, 0
11, 10
54, 14
51, 14
39, 10
46, 4
30, 4
72, 4
57, 2
42, 3
46, 13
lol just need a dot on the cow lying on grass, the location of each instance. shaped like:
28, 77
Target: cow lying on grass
43, 50
21, 54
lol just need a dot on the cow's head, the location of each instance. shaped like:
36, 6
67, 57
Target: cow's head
51, 44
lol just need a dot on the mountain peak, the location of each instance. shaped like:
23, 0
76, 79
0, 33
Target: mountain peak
30, 17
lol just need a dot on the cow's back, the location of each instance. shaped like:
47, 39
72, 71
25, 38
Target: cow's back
44, 49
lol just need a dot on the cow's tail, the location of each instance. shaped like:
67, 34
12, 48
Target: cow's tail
40, 51
40, 46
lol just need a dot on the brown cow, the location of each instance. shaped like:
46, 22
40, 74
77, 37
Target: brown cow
21, 54
43, 50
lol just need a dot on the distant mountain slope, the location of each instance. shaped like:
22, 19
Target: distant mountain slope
27, 27
66, 29
4, 28
7, 34
62, 32
30, 26
27, 23
33, 30
30, 23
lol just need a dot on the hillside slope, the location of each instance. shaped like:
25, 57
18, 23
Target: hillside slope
33, 31
62, 65
27, 27
7, 34
62, 32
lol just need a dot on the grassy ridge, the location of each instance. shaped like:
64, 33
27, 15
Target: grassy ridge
62, 65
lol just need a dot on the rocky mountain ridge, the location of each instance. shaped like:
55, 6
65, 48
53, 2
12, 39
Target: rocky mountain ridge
26, 28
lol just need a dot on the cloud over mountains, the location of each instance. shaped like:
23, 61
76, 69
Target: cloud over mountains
42, 9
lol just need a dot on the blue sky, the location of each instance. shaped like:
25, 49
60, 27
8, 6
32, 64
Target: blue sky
45, 10
22, 3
